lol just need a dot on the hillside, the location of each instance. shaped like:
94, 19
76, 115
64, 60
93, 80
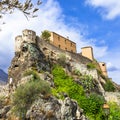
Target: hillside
3, 77
48, 83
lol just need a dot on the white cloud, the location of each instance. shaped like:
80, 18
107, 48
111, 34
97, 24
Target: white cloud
109, 9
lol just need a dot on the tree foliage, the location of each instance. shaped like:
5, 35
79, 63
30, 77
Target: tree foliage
27, 7
46, 35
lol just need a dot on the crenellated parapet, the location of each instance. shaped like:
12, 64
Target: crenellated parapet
27, 36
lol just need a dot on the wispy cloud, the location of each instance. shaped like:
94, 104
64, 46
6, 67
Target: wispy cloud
109, 9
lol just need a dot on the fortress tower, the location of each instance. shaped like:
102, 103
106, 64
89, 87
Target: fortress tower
103, 68
18, 41
88, 52
29, 36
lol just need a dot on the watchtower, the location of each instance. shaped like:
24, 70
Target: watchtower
88, 52
29, 36
103, 68
18, 41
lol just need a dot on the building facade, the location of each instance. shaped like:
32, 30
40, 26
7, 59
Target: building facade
62, 42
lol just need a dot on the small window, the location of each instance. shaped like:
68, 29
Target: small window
59, 46
58, 38
65, 41
71, 44
66, 49
71, 50
103, 64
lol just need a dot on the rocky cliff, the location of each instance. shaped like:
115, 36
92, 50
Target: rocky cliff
34, 54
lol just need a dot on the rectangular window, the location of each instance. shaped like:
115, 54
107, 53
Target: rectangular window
59, 46
58, 38
65, 41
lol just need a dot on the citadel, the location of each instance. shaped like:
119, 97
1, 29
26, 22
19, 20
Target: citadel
57, 43
38, 55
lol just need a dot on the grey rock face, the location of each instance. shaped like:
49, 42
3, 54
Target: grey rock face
52, 109
29, 57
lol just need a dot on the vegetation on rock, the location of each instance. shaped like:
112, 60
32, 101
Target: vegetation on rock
91, 66
114, 111
27, 93
64, 84
109, 86
46, 35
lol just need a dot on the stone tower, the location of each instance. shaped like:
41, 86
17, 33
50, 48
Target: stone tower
88, 52
18, 41
29, 36
103, 68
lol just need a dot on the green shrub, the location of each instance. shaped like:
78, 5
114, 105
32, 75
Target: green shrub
77, 72
87, 82
65, 84
114, 111
92, 105
62, 60
46, 35
109, 86
91, 66
26, 94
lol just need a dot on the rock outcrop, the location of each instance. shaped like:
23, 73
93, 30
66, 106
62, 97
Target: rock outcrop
33, 53
53, 109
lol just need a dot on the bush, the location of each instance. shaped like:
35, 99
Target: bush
34, 74
65, 84
109, 86
26, 94
114, 111
77, 72
91, 66
87, 82
46, 35
92, 105
62, 60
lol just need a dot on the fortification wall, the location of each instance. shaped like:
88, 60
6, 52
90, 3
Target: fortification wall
76, 60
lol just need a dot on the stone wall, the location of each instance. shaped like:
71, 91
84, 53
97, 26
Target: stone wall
78, 61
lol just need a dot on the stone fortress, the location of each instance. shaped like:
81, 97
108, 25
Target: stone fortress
60, 42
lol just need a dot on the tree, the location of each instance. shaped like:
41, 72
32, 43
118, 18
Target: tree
27, 7
46, 35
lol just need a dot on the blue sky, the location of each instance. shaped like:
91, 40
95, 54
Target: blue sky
86, 22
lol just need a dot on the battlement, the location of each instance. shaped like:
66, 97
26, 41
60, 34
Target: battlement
29, 36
